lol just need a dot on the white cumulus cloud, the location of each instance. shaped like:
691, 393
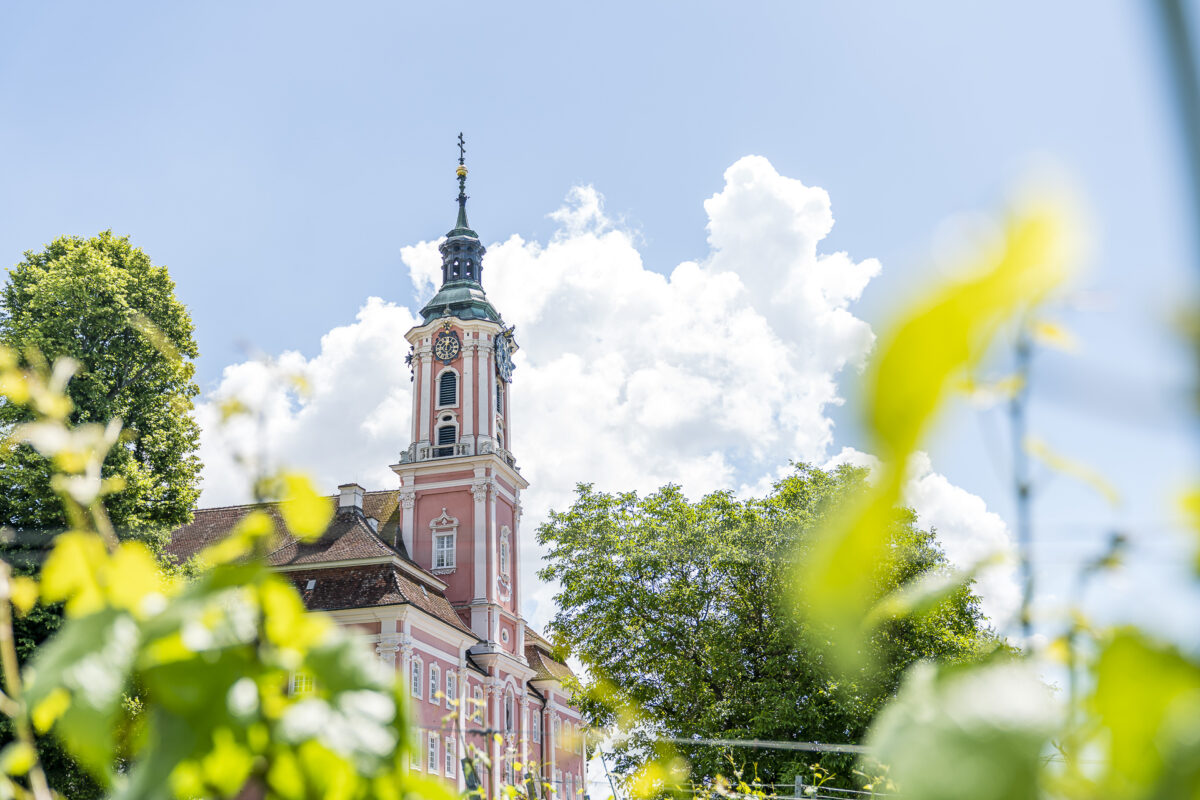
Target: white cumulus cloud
711, 376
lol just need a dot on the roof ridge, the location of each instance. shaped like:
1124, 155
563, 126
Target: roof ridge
237, 505
263, 503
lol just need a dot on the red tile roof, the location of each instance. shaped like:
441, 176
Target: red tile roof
537, 653
368, 586
211, 525
349, 537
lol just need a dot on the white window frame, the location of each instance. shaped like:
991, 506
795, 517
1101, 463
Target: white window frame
417, 755
536, 724
435, 684
445, 549
441, 527
451, 687
432, 753
510, 711
417, 680
437, 388
437, 439
479, 707
451, 754
301, 683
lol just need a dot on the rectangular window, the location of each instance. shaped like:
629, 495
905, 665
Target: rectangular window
477, 713
432, 761
435, 683
447, 389
451, 750
447, 434
451, 687
418, 741
301, 684
537, 727
416, 679
443, 550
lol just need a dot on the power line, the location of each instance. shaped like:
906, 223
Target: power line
763, 744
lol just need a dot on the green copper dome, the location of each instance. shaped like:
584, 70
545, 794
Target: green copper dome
461, 294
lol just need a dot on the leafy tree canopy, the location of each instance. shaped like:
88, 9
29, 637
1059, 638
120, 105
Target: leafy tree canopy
684, 611
102, 302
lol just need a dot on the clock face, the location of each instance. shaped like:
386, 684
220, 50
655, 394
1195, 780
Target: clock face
446, 346
504, 364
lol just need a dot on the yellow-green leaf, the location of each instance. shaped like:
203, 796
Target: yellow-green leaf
920, 359
47, 712
17, 758
24, 593
1076, 469
72, 573
306, 512
133, 578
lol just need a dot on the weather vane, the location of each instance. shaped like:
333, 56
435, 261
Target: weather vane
462, 180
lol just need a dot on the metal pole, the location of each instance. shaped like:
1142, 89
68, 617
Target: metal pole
1017, 409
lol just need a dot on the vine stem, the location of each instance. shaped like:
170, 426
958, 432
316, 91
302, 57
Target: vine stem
12, 685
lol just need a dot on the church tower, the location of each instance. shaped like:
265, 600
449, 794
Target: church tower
459, 483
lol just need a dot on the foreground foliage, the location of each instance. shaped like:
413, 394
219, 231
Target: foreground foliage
101, 302
1127, 723
165, 687
682, 613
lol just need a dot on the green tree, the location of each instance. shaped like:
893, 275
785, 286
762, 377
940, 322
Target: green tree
104, 304
683, 612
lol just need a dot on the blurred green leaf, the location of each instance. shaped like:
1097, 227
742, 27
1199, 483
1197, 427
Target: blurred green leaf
306, 512
954, 733
919, 360
1147, 703
92, 661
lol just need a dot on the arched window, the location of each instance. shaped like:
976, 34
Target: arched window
435, 683
416, 684
448, 389
509, 711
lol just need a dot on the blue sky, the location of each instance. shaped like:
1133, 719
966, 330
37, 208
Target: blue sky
277, 156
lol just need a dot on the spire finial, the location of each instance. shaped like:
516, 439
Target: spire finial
462, 184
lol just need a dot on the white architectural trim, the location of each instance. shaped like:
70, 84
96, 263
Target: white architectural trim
471, 349
426, 377
408, 503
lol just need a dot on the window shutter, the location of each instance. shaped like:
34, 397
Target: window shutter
447, 389
446, 434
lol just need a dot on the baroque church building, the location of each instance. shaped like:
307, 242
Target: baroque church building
426, 572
